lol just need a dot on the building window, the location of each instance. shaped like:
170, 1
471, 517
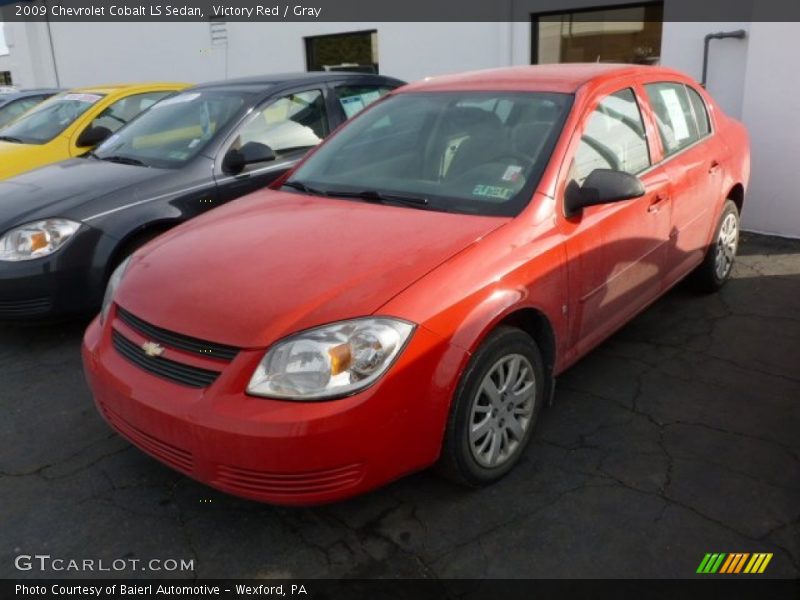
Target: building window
630, 34
353, 51
5, 78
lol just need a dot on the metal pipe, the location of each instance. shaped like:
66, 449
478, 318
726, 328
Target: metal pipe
739, 34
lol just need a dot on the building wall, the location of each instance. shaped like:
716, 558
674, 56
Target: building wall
754, 80
168, 51
769, 109
5, 62
682, 48
750, 78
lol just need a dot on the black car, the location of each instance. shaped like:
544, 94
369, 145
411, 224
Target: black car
64, 227
14, 104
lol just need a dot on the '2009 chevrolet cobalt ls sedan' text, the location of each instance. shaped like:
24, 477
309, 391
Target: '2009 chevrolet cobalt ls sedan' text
407, 295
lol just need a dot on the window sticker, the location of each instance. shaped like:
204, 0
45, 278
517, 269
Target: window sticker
179, 99
87, 98
370, 97
492, 191
676, 115
352, 105
512, 173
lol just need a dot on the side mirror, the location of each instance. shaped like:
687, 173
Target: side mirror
251, 153
602, 186
92, 136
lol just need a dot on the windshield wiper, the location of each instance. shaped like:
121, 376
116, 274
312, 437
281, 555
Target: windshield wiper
13, 140
123, 160
300, 186
381, 197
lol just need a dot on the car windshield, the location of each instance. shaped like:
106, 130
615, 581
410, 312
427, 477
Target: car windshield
175, 130
13, 109
50, 118
471, 152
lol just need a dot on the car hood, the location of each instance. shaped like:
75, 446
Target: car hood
75, 189
274, 263
18, 158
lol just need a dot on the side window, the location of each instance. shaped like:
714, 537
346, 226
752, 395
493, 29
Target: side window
673, 111
700, 112
289, 124
122, 111
614, 138
355, 98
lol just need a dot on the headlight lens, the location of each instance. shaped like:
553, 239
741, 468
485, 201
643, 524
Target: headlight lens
35, 240
111, 288
329, 361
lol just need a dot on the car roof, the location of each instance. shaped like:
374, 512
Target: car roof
5, 98
562, 77
262, 83
38, 91
113, 88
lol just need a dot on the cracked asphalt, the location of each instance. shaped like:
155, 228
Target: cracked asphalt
678, 436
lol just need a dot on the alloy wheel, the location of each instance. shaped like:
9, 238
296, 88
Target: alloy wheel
502, 410
727, 242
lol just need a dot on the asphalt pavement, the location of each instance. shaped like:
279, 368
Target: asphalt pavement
677, 437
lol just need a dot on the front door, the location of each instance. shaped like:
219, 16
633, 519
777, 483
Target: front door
616, 252
289, 125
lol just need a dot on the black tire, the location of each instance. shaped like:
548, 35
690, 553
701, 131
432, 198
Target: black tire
706, 277
457, 461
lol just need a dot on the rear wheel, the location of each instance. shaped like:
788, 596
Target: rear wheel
494, 410
717, 265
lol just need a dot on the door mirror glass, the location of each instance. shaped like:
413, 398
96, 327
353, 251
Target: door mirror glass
251, 153
602, 186
92, 136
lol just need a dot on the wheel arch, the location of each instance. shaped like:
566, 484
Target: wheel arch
531, 319
736, 194
536, 324
136, 238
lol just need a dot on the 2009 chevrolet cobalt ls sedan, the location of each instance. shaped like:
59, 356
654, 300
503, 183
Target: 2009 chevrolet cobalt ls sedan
409, 293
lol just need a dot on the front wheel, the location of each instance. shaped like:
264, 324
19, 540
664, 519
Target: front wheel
717, 265
494, 410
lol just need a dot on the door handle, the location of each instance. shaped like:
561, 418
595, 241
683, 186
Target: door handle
713, 168
658, 200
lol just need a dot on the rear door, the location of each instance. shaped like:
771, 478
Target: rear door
691, 159
616, 252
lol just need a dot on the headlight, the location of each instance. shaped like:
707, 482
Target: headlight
334, 360
37, 239
111, 288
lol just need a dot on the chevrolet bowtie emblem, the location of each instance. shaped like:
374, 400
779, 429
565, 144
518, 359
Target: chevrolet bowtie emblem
152, 349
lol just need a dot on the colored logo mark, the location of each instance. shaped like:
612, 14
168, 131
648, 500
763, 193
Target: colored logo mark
737, 562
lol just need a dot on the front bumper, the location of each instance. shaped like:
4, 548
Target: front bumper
278, 451
69, 281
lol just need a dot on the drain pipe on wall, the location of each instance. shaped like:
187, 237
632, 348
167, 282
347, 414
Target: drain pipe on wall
739, 34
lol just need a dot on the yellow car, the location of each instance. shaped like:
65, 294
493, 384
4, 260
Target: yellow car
72, 123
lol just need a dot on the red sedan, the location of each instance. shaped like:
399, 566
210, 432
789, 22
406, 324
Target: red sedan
407, 296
